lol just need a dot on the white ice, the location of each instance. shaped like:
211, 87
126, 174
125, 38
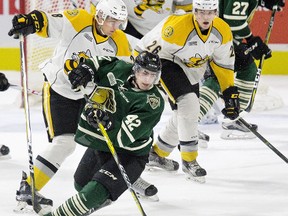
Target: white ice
245, 178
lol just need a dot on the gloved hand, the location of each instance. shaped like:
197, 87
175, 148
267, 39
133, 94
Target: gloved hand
258, 48
231, 99
93, 115
27, 23
4, 84
80, 75
271, 3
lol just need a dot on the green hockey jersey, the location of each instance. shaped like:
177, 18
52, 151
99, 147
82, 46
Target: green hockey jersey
134, 112
238, 15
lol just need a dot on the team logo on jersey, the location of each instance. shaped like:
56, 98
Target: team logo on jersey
104, 98
72, 12
168, 32
153, 100
196, 61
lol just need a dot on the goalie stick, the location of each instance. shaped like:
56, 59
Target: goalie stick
36, 206
115, 155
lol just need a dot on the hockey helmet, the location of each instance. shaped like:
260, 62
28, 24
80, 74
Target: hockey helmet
205, 5
149, 62
115, 9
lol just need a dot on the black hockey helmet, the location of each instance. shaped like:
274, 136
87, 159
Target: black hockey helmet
148, 61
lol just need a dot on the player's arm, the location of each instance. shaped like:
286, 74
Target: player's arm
27, 24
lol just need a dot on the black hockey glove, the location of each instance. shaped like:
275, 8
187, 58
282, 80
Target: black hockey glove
80, 75
231, 99
243, 57
271, 3
27, 23
4, 84
93, 115
258, 48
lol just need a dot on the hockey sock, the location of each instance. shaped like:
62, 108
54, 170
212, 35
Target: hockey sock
209, 93
245, 83
93, 195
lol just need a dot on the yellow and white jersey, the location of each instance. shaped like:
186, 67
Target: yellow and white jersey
179, 39
146, 14
77, 38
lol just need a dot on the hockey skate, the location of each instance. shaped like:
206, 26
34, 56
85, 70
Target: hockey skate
161, 162
193, 171
4, 152
145, 191
235, 130
24, 197
203, 139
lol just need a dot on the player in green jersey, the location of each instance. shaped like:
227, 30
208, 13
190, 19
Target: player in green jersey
248, 47
129, 105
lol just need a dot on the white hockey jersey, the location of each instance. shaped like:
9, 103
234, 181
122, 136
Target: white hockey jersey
146, 14
77, 37
179, 39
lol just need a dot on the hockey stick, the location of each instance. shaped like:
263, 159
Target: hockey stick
30, 91
115, 156
260, 66
36, 206
266, 142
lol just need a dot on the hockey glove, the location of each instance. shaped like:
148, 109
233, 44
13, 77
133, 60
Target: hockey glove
258, 48
93, 115
4, 84
80, 76
27, 23
231, 99
271, 3
243, 57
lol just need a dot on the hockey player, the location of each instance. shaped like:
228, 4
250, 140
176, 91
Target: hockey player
144, 15
80, 34
247, 48
129, 105
186, 44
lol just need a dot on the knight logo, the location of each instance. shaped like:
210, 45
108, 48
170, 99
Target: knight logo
153, 100
105, 97
196, 61
109, 174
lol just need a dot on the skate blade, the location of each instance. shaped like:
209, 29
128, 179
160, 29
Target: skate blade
202, 144
153, 168
236, 135
25, 208
199, 179
153, 198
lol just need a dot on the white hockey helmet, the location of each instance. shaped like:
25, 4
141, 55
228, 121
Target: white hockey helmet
111, 8
205, 5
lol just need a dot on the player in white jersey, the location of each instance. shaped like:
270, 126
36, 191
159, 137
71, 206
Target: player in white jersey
186, 44
144, 15
80, 34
